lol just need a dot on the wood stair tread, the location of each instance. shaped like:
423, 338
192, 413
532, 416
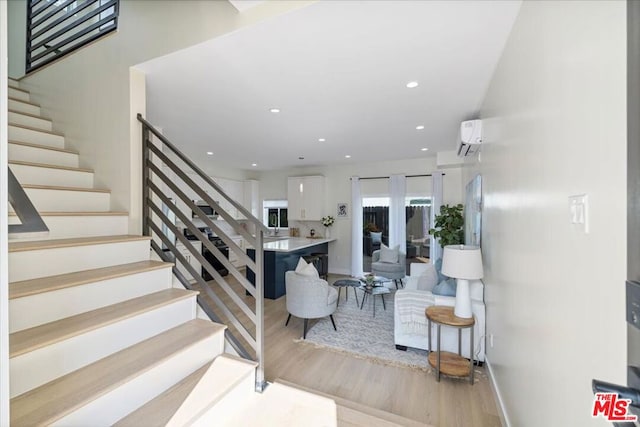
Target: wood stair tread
43, 147
60, 188
35, 129
50, 402
31, 339
25, 288
34, 245
159, 411
48, 166
88, 213
21, 90
24, 102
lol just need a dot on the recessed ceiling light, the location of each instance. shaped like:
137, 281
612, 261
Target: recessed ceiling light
321, 140
254, 164
347, 156
275, 110
301, 158
424, 149
209, 153
420, 127
411, 85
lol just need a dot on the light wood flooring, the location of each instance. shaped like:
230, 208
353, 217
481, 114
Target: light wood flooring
410, 393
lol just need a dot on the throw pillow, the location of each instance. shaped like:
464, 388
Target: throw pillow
389, 255
376, 237
301, 265
446, 288
438, 266
427, 280
305, 269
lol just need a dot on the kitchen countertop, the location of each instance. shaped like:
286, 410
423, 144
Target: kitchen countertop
292, 244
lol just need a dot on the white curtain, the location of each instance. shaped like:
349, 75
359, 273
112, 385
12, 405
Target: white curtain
436, 202
356, 228
397, 212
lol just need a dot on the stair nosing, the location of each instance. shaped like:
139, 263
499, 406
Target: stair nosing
43, 147
60, 330
46, 119
130, 368
25, 288
72, 242
47, 166
35, 129
80, 213
24, 102
21, 90
60, 188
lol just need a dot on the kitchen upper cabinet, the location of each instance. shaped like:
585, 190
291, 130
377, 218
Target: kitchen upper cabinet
306, 197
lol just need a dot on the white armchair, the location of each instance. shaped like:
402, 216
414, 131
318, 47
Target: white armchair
410, 322
309, 298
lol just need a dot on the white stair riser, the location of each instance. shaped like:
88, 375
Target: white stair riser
38, 309
24, 153
231, 403
36, 175
66, 227
34, 122
24, 107
49, 262
116, 404
13, 83
35, 137
52, 200
40, 366
18, 94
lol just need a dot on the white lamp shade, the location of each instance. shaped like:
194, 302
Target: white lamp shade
462, 262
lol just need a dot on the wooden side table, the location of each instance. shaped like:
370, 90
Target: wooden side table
444, 361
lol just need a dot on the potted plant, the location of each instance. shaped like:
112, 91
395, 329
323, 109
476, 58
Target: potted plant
449, 225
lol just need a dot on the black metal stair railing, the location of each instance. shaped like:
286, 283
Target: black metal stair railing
58, 27
222, 301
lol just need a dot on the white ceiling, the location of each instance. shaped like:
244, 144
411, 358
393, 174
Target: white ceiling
337, 70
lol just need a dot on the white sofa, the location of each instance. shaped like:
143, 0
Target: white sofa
410, 322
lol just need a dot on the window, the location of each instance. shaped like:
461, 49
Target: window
275, 214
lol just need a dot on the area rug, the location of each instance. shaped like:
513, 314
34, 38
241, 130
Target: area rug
364, 336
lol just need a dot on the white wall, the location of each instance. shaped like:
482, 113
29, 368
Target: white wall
273, 185
88, 93
17, 19
4, 274
555, 126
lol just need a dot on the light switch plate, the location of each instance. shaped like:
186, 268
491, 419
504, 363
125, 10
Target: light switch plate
579, 212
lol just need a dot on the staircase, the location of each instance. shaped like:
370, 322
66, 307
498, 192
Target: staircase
98, 335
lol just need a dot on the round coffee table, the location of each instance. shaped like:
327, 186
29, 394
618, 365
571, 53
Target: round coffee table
373, 291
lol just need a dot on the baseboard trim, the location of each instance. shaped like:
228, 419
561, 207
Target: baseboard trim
502, 411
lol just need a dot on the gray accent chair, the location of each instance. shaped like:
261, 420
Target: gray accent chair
309, 298
392, 271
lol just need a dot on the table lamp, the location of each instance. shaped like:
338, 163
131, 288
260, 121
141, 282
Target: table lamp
463, 263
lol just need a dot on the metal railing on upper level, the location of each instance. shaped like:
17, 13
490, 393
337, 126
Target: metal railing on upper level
58, 27
168, 176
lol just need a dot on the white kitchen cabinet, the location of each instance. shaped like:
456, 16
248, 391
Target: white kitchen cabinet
252, 197
306, 198
191, 259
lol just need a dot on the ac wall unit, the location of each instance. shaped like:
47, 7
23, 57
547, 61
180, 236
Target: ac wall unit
470, 138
